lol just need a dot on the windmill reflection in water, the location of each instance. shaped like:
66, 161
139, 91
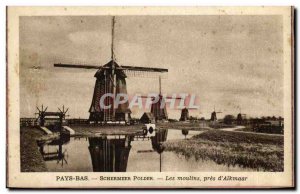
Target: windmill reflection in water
59, 155
110, 153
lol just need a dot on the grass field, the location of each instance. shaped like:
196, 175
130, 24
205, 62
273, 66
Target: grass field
256, 151
31, 159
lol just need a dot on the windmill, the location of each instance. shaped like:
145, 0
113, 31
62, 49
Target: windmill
42, 110
111, 78
240, 117
185, 112
63, 112
214, 115
41, 115
158, 109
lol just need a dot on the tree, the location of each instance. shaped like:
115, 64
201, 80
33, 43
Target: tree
185, 132
228, 119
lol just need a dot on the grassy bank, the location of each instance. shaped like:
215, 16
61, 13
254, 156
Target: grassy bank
270, 130
31, 159
257, 151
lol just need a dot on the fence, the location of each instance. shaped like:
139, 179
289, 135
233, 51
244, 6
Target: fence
28, 122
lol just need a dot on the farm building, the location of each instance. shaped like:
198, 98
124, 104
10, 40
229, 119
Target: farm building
270, 126
147, 117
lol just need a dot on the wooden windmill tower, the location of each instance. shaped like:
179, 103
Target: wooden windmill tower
185, 113
214, 115
240, 118
159, 109
111, 78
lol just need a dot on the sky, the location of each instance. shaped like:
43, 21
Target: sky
231, 63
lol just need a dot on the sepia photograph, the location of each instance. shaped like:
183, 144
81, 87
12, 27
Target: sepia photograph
115, 96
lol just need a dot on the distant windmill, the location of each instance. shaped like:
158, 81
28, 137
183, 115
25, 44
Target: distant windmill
214, 115
111, 79
42, 110
185, 112
158, 110
240, 117
63, 112
41, 115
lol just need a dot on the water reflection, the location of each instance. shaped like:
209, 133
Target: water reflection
109, 155
158, 139
57, 154
120, 153
157, 143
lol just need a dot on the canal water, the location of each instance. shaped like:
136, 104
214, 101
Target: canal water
120, 153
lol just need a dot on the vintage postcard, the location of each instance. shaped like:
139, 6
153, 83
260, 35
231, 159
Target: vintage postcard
150, 97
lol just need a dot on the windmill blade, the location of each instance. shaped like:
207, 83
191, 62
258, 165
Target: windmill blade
65, 160
192, 108
145, 74
38, 109
66, 110
186, 108
46, 109
78, 66
147, 69
147, 97
170, 97
60, 110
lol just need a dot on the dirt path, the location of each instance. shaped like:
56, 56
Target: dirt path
232, 128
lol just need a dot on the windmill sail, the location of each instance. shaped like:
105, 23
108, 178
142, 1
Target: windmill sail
111, 78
